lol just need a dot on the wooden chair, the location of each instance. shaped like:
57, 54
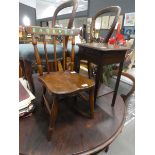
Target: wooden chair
112, 9
60, 83
115, 10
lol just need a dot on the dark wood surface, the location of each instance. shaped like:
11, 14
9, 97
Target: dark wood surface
74, 134
106, 48
102, 54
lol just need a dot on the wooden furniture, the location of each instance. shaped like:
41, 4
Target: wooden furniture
25, 50
130, 77
102, 54
69, 3
59, 83
74, 134
127, 69
74, 5
112, 9
117, 11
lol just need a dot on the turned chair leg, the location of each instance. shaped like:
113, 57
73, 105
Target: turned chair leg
53, 117
91, 102
44, 92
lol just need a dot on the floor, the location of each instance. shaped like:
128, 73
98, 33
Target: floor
124, 144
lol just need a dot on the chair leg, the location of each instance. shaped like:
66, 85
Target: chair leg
89, 69
132, 78
53, 117
106, 149
91, 102
44, 92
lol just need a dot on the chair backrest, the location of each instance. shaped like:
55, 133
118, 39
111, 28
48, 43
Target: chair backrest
67, 4
54, 32
70, 3
112, 9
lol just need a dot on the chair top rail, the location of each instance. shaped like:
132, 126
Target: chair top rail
49, 31
110, 9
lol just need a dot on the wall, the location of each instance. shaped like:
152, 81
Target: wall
95, 5
28, 11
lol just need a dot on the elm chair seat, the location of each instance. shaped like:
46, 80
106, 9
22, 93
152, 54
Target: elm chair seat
65, 82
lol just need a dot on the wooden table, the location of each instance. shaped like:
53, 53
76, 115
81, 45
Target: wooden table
74, 134
101, 55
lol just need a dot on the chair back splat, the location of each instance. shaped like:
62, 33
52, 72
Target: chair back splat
111, 9
37, 56
46, 55
70, 3
42, 31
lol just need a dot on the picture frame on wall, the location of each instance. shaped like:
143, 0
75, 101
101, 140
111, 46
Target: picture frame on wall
128, 30
129, 19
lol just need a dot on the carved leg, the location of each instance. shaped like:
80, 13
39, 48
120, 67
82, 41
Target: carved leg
91, 102
42, 100
53, 116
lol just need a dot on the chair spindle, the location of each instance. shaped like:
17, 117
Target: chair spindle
37, 56
46, 54
73, 53
55, 56
64, 53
